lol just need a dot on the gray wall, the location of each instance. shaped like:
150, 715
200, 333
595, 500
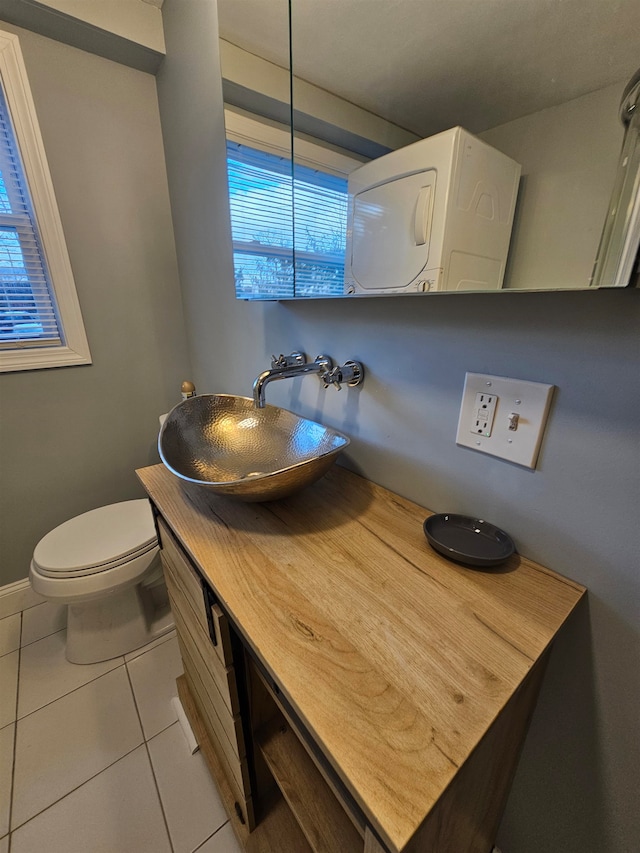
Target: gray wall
569, 156
576, 788
70, 438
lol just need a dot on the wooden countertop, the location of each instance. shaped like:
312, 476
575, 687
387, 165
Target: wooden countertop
397, 660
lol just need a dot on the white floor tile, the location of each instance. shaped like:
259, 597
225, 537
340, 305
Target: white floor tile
9, 631
17, 596
191, 802
117, 811
45, 673
4, 844
152, 645
42, 620
70, 740
9, 682
224, 841
6, 768
153, 676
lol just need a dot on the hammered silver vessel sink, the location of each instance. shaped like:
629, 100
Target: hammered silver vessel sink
224, 444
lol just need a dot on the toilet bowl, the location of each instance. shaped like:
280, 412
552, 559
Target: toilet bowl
105, 565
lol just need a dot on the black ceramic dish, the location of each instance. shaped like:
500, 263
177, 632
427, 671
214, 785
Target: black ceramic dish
468, 540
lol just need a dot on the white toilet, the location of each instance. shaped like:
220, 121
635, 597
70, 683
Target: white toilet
105, 565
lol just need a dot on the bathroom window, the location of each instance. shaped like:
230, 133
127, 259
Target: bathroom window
266, 199
40, 320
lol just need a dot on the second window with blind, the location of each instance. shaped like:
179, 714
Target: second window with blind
288, 224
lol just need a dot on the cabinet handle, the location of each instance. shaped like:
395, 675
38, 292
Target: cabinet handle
239, 812
209, 601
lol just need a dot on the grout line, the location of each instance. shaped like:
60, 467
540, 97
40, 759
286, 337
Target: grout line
46, 636
30, 607
152, 737
15, 736
135, 702
37, 604
11, 651
39, 640
142, 651
146, 746
200, 846
77, 787
15, 741
91, 680
69, 692
155, 781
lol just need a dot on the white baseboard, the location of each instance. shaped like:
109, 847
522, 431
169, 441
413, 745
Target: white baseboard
17, 596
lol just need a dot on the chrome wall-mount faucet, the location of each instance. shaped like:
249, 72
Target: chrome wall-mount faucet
289, 366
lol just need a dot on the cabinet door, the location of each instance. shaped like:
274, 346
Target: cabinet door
208, 668
205, 608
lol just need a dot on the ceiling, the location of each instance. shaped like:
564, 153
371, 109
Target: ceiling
427, 65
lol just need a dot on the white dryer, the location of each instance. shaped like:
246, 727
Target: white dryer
436, 215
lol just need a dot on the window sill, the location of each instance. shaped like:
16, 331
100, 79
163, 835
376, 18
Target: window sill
39, 358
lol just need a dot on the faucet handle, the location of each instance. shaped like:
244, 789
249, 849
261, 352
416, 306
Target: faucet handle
332, 377
288, 360
351, 372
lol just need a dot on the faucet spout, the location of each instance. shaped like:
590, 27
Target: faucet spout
320, 366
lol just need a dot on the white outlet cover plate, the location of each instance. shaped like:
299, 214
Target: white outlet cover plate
529, 400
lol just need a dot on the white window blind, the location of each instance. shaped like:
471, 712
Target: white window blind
320, 217
28, 317
261, 204
265, 200
40, 318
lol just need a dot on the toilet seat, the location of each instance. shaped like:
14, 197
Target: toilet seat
104, 567
92, 570
97, 541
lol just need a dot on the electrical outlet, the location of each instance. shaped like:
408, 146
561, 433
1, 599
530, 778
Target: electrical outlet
504, 417
483, 414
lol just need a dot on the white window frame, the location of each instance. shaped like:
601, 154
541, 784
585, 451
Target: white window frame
74, 348
258, 132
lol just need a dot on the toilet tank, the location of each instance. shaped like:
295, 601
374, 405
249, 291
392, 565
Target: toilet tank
436, 215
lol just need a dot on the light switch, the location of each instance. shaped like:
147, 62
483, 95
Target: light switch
514, 430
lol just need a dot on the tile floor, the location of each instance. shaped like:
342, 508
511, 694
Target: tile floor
92, 759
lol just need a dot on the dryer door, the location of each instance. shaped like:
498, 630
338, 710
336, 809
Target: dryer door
391, 232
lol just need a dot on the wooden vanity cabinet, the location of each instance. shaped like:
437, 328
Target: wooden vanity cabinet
323, 820
351, 690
